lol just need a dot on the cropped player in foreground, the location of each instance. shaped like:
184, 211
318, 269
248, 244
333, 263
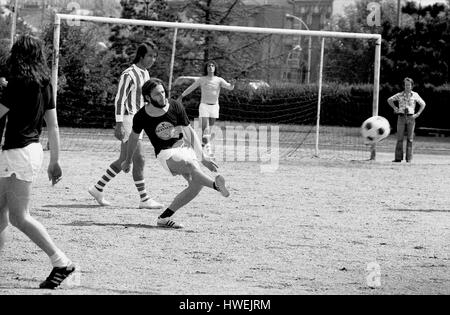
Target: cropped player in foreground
22, 153
176, 147
128, 101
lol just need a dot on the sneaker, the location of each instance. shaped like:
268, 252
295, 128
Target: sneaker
168, 223
396, 161
150, 204
57, 276
220, 184
98, 195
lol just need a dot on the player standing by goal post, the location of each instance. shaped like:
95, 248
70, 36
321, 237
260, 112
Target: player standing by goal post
128, 102
406, 118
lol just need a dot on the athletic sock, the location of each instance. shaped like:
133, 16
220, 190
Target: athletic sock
140, 185
59, 259
109, 175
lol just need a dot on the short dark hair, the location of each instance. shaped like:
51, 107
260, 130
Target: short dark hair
409, 80
143, 49
205, 67
148, 87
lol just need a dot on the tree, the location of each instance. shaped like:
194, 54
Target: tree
125, 38
234, 52
419, 48
85, 92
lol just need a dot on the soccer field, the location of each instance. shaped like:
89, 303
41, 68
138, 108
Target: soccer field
313, 226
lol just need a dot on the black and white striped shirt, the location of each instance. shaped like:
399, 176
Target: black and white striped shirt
129, 97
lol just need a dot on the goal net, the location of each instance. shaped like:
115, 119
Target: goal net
309, 90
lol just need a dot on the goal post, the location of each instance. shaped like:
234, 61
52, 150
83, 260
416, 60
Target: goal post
322, 35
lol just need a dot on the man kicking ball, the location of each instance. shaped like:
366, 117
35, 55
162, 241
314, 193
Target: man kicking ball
176, 147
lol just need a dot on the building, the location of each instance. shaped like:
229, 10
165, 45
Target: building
294, 64
288, 57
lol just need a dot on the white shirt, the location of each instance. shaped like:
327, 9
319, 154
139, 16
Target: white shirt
407, 102
210, 87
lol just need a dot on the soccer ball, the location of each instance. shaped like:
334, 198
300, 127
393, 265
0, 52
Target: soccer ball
375, 129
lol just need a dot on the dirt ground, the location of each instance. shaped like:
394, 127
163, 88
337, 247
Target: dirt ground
311, 227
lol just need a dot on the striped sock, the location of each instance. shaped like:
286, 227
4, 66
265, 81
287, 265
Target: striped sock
109, 175
140, 185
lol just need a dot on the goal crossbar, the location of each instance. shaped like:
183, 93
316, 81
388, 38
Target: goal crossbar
212, 27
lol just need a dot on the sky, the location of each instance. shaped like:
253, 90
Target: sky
339, 5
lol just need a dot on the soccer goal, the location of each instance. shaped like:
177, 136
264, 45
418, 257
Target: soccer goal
312, 85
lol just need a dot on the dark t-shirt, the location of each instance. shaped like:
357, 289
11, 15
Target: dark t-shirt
27, 105
159, 129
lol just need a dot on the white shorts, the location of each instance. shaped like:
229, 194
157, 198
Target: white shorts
209, 111
25, 163
128, 126
178, 154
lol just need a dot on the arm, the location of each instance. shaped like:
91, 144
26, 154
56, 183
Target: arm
421, 106
131, 148
391, 103
189, 90
121, 98
228, 86
54, 170
3, 82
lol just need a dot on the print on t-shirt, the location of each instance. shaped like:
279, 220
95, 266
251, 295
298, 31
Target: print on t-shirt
164, 130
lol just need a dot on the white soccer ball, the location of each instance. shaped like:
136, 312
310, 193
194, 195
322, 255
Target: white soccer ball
375, 129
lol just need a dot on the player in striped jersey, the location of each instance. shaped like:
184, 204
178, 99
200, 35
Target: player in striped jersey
128, 101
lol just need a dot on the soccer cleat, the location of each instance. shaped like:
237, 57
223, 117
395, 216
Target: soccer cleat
57, 276
396, 161
98, 195
168, 223
150, 204
220, 184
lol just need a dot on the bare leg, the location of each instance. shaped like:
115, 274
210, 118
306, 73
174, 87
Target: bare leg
192, 170
212, 121
117, 164
186, 195
196, 178
18, 198
205, 130
138, 163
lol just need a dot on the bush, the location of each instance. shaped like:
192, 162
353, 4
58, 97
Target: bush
342, 105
